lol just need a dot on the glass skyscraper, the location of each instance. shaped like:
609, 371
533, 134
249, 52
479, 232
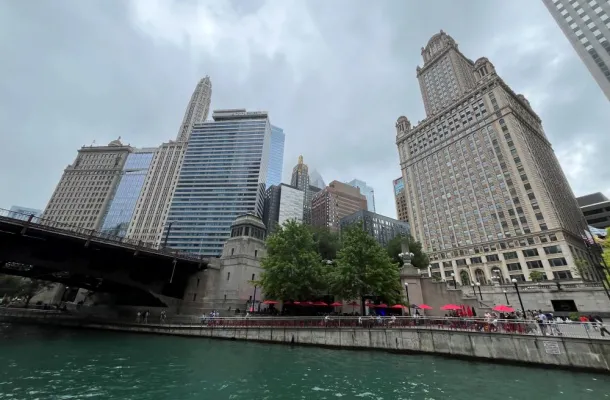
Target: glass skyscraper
223, 176
276, 156
128, 190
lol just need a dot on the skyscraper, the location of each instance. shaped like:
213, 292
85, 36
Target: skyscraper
276, 156
366, 191
197, 110
87, 186
486, 195
123, 203
282, 203
315, 179
222, 177
401, 200
300, 180
336, 201
586, 24
152, 207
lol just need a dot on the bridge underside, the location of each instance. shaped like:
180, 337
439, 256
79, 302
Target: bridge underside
101, 267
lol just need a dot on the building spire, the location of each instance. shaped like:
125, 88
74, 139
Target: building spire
301, 159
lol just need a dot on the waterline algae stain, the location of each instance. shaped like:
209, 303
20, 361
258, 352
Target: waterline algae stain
46, 363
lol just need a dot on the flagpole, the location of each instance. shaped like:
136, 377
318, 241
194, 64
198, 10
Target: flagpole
604, 276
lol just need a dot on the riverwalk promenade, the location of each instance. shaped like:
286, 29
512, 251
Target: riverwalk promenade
571, 345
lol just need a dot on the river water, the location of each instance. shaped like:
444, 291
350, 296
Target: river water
48, 363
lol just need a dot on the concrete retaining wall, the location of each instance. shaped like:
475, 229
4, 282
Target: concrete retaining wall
585, 354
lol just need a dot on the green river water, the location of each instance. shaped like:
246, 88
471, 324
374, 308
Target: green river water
48, 363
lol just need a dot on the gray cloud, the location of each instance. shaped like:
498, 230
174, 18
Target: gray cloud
335, 75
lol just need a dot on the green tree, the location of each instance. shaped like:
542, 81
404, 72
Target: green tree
292, 268
581, 267
420, 258
328, 243
364, 268
536, 276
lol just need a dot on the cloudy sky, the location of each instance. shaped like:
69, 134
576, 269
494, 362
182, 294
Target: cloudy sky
334, 74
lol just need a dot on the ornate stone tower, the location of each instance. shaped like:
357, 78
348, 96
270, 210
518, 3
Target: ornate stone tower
240, 263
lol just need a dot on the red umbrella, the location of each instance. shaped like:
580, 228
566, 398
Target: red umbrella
450, 307
399, 306
424, 307
270, 302
382, 306
336, 304
320, 303
296, 303
307, 303
503, 308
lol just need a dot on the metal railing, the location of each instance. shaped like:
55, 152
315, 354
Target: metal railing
30, 220
585, 330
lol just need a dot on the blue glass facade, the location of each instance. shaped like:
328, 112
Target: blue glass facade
399, 186
128, 190
223, 176
276, 156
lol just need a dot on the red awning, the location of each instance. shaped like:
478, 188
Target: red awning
320, 303
424, 307
270, 302
336, 304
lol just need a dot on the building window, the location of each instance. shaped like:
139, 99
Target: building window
255, 253
558, 262
534, 264
514, 266
194, 296
228, 275
232, 251
492, 257
510, 255
476, 260
252, 276
552, 249
530, 252
562, 275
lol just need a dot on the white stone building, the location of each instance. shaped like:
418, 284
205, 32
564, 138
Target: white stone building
486, 194
150, 216
87, 186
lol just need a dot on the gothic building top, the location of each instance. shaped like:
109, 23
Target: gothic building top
436, 45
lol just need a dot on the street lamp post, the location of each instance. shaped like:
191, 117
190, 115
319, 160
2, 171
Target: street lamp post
408, 302
454, 282
169, 228
519, 296
254, 298
506, 297
479, 287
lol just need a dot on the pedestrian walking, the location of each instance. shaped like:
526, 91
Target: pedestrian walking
600, 324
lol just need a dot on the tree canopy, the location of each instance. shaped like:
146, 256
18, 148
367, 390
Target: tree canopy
328, 243
363, 267
420, 258
292, 268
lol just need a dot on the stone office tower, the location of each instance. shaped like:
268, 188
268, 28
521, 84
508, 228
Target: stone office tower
486, 195
88, 185
151, 211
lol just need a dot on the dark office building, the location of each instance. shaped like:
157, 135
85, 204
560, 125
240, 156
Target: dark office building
596, 209
383, 229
